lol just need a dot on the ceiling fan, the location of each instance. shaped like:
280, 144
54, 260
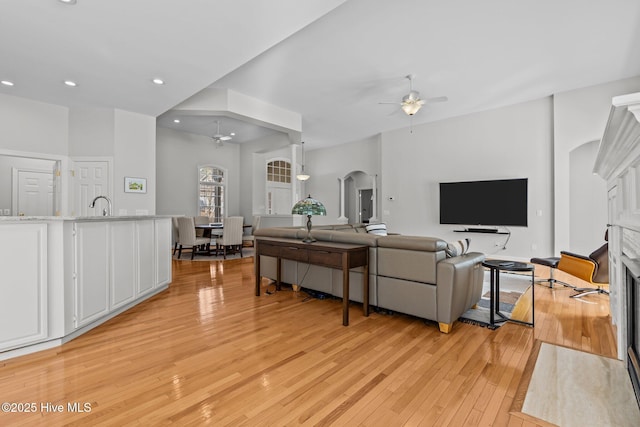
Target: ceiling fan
411, 102
219, 138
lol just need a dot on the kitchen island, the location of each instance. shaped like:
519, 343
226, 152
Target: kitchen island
62, 276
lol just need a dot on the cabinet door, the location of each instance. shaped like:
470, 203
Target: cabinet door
92, 271
23, 284
123, 266
163, 251
146, 256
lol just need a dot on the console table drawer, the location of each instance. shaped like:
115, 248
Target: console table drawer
270, 250
325, 258
293, 253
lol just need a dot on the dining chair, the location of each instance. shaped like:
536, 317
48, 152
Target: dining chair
187, 236
199, 220
175, 234
231, 235
249, 238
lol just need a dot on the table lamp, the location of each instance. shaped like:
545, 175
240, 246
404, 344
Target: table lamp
308, 207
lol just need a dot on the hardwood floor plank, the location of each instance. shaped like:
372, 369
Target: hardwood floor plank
209, 352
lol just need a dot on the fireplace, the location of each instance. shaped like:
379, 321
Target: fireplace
632, 273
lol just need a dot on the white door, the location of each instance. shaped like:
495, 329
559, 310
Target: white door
33, 193
91, 179
280, 201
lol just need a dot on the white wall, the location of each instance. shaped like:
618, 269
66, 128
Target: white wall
327, 165
32, 126
134, 148
510, 142
588, 201
91, 132
580, 116
178, 157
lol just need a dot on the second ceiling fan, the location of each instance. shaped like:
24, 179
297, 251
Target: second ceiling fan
219, 138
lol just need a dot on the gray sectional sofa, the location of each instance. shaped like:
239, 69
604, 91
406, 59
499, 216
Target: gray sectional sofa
407, 274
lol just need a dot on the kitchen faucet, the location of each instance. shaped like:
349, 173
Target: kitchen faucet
106, 211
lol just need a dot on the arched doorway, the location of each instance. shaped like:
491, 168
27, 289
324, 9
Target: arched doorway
358, 198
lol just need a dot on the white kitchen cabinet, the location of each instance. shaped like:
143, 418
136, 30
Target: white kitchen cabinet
124, 263
60, 277
23, 285
92, 274
145, 240
163, 256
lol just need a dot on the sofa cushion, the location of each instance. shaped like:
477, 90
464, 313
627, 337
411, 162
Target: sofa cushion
377, 229
355, 238
457, 248
408, 264
415, 243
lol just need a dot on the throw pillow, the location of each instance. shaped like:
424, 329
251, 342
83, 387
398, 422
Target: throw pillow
458, 248
378, 229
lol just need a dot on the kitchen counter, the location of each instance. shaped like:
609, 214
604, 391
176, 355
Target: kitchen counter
81, 218
66, 275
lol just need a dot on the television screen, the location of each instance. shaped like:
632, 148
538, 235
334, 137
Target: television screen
496, 202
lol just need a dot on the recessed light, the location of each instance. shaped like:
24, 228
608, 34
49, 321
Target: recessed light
232, 134
176, 120
158, 81
70, 83
6, 82
68, 1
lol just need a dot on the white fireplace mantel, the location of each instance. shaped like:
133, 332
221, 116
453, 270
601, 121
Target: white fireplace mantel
618, 162
620, 144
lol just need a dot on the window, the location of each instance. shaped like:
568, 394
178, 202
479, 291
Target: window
211, 193
279, 171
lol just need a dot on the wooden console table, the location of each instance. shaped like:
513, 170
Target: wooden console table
343, 256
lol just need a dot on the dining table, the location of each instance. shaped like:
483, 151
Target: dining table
215, 228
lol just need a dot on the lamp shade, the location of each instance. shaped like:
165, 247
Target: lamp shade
309, 206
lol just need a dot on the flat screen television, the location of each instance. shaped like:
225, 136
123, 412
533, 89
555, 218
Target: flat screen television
497, 202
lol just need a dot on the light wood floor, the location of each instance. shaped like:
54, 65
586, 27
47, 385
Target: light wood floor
209, 352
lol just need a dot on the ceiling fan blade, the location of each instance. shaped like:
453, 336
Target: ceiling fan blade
437, 99
390, 103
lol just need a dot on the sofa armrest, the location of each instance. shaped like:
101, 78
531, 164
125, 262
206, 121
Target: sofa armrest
459, 285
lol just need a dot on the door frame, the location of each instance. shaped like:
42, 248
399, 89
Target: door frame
62, 189
15, 172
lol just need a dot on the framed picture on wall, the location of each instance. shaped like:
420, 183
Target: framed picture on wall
135, 185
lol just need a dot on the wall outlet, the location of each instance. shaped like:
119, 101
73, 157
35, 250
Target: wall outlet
6, 212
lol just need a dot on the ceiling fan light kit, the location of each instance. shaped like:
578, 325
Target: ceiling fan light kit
411, 102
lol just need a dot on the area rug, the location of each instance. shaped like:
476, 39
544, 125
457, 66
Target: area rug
186, 256
512, 286
572, 388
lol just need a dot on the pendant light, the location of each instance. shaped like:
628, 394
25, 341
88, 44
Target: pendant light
302, 176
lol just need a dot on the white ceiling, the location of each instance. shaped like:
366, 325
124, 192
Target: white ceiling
334, 70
